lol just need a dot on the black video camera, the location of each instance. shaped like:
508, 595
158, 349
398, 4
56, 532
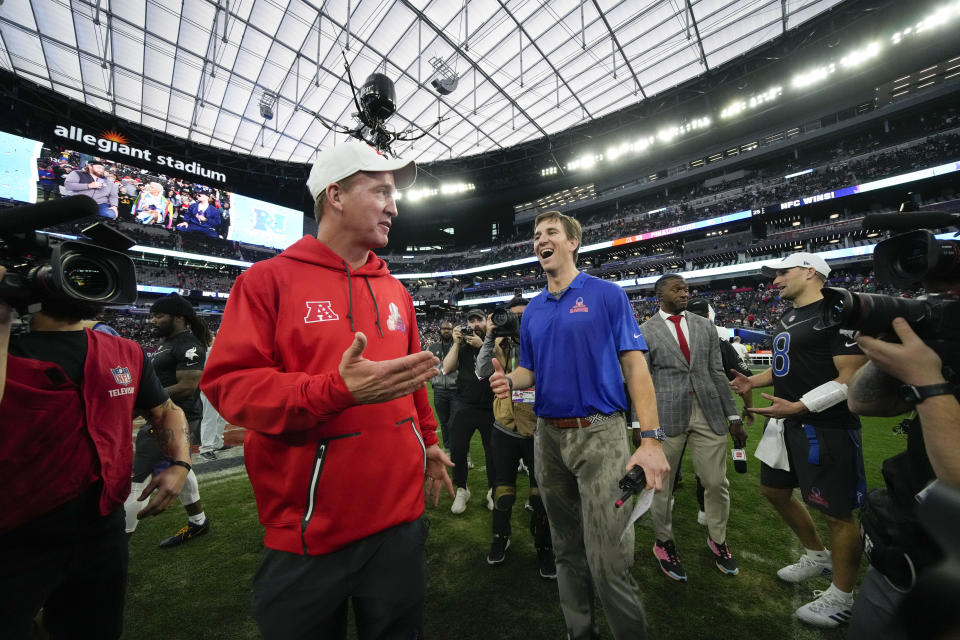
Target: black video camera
92, 271
904, 260
505, 323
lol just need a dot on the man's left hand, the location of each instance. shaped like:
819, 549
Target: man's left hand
170, 483
437, 476
779, 408
738, 433
911, 362
649, 456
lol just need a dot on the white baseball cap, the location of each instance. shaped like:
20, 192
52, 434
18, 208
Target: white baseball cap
799, 259
347, 158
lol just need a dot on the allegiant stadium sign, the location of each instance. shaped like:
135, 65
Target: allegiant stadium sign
113, 142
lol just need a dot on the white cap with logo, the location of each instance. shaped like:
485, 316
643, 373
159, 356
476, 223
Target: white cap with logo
347, 158
799, 259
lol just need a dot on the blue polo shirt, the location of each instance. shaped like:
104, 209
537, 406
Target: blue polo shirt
573, 346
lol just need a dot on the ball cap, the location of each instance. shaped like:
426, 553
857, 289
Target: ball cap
799, 259
476, 313
95, 161
347, 158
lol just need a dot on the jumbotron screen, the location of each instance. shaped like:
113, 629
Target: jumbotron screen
18, 167
263, 223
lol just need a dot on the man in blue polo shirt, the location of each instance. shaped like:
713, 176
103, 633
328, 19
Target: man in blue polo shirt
579, 342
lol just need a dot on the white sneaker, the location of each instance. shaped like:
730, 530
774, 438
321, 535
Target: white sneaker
460, 501
702, 518
829, 610
806, 568
490, 499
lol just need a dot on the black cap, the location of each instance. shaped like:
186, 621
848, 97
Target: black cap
476, 313
699, 306
175, 305
95, 161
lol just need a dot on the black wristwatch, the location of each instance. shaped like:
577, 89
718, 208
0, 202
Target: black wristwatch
915, 395
657, 433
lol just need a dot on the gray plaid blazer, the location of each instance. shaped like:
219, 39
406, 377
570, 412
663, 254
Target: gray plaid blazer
677, 382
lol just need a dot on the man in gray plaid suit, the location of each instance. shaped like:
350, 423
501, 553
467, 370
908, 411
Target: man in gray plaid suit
696, 409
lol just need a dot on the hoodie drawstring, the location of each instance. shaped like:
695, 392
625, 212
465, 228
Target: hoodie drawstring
376, 307
350, 294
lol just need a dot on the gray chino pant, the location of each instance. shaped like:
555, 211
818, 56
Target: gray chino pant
578, 470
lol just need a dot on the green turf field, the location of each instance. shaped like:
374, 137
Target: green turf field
202, 590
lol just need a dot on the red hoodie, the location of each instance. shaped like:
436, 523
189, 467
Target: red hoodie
325, 470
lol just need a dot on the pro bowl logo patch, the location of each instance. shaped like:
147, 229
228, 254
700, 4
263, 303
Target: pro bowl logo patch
121, 375
579, 307
395, 320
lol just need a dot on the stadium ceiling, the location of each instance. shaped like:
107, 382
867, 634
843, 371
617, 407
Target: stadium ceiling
525, 69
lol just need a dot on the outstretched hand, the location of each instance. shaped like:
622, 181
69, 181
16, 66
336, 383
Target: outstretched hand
371, 381
740, 383
498, 381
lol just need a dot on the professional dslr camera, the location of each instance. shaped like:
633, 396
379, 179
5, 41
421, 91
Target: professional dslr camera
905, 260
505, 323
93, 271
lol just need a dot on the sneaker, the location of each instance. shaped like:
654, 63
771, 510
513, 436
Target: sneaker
209, 456
548, 566
498, 550
522, 468
806, 568
724, 558
666, 555
225, 447
460, 501
490, 499
828, 611
702, 518
189, 532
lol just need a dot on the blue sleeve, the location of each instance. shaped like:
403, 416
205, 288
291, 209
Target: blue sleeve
105, 328
526, 345
623, 323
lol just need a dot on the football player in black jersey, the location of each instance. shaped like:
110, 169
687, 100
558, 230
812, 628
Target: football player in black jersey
819, 450
178, 362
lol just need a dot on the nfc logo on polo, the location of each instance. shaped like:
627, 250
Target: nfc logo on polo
319, 311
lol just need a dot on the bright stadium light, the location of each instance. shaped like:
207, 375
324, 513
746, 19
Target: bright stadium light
812, 76
859, 56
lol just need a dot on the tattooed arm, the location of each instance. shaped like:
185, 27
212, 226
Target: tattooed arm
170, 428
873, 392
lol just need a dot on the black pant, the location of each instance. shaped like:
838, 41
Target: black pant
446, 402
508, 451
469, 419
296, 596
73, 563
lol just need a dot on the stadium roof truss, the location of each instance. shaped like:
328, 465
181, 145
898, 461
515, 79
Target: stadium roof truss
200, 69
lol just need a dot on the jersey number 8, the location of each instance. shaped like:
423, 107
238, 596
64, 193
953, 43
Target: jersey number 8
781, 357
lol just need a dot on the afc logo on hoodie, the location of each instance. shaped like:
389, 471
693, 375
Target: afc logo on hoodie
319, 311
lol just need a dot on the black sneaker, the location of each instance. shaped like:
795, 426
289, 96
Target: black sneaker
209, 456
666, 555
498, 549
548, 566
225, 447
189, 532
725, 561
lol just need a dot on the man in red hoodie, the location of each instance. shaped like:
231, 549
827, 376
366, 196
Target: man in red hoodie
319, 358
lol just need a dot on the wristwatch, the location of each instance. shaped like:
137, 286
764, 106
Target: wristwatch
916, 395
657, 433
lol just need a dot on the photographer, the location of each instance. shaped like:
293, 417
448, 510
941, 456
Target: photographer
65, 439
933, 452
476, 407
511, 440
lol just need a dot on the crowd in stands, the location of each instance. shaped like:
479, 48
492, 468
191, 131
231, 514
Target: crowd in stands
135, 325
909, 144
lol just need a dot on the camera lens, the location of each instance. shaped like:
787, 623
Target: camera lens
87, 278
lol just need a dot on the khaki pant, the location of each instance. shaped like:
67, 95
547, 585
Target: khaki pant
709, 452
578, 471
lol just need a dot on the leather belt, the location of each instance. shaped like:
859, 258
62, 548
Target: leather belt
578, 423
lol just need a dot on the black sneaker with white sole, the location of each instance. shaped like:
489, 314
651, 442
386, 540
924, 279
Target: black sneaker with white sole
498, 550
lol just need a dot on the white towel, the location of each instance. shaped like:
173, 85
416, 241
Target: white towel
772, 450
644, 500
